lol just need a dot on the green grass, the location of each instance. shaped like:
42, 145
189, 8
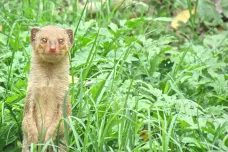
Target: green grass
147, 79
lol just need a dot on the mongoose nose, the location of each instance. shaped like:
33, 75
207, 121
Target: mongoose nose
52, 49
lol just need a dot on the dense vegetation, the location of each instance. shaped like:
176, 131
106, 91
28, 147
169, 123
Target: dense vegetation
154, 88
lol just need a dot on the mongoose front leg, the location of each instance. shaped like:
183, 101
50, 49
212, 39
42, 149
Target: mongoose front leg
54, 125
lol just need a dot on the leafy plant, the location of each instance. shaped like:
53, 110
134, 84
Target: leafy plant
150, 88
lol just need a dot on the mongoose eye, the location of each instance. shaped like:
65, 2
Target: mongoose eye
60, 41
44, 40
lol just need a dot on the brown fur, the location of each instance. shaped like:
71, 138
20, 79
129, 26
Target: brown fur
48, 84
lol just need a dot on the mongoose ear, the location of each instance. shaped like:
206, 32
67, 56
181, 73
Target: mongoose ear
33, 33
70, 33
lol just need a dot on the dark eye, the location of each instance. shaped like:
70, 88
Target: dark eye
60, 41
44, 40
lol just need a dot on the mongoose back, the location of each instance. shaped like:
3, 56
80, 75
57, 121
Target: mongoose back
48, 85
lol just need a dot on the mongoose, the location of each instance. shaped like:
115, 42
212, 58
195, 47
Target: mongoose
48, 85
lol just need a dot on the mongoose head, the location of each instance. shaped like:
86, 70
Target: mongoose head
51, 43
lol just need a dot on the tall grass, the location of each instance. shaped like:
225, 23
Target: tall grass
152, 89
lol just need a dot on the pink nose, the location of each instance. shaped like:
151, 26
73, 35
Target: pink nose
52, 49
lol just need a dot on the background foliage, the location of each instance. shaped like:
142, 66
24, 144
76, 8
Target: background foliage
153, 88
